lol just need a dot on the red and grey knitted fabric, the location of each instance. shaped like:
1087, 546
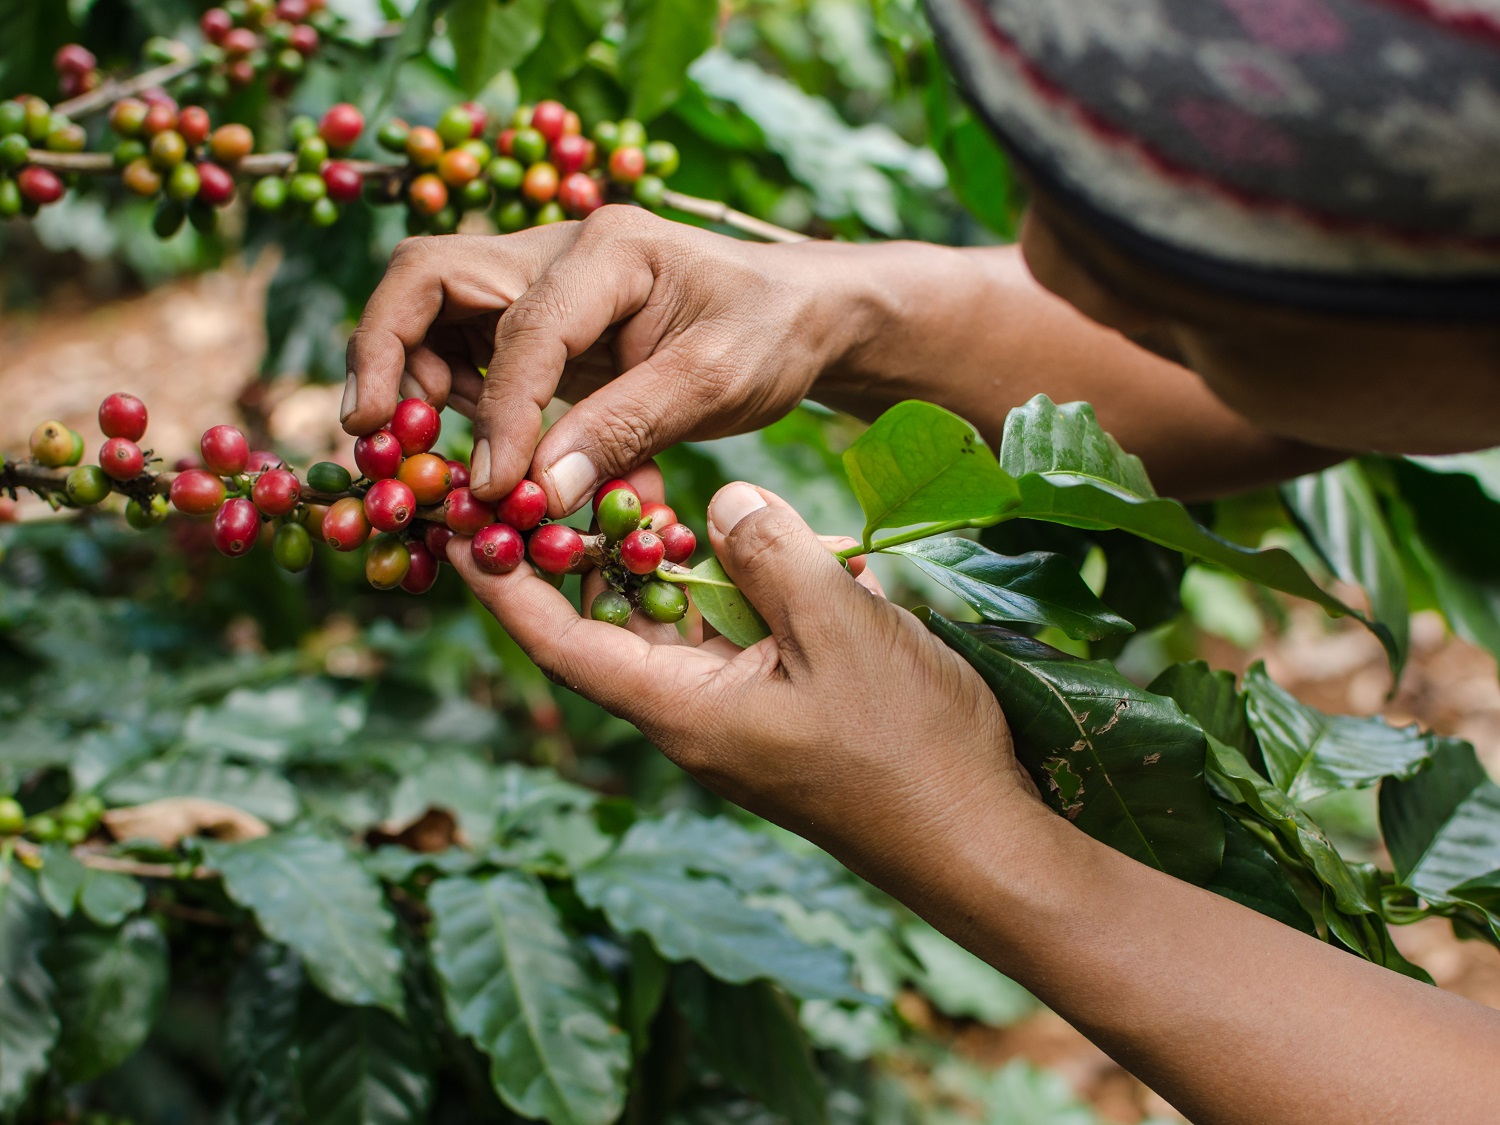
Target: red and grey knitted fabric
1341, 155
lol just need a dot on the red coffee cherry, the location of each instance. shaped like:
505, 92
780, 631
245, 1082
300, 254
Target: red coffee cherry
262, 461
225, 450
580, 195
548, 118
341, 126
240, 73
215, 185
345, 527
458, 167
387, 563
465, 514
123, 415
504, 142
642, 551
557, 548
239, 42
524, 507
343, 182
39, 185
660, 516
540, 184
304, 39
378, 455
572, 154
678, 540
121, 458
415, 425
423, 146
609, 486
194, 125
389, 505
428, 477
436, 537
626, 165
236, 527
292, 11
276, 492
74, 58
197, 492
460, 473
427, 194
215, 24
231, 143
160, 118
479, 116
498, 548
422, 571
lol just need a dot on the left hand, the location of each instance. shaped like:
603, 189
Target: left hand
851, 724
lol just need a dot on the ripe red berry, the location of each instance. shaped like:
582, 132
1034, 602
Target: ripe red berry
679, 541
387, 563
435, 537
74, 58
345, 527
540, 184
292, 11
123, 415
458, 166
660, 516
460, 473
609, 486
121, 458
236, 527
572, 124
194, 125
504, 142
580, 195
304, 39
572, 154
215, 185
428, 477
39, 185
642, 551
557, 548
524, 507
341, 126
499, 548
415, 425
343, 182
378, 455
241, 72
215, 24
239, 42
427, 194
160, 117
548, 118
389, 505
225, 450
626, 165
197, 492
465, 513
262, 461
276, 492
422, 572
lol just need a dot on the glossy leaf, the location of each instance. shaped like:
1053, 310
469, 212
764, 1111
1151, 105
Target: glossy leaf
109, 897
1309, 754
527, 996
920, 464
722, 604
662, 39
1340, 514
312, 893
60, 879
1124, 765
257, 789
1038, 588
359, 1066
489, 36
1251, 877
648, 885
28, 1024
260, 1024
1213, 700
110, 987
1043, 437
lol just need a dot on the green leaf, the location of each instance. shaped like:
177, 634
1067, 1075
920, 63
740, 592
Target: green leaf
722, 604
530, 999
1038, 587
28, 1025
1213, 700
260, 1022
271, 724
978, 169
1442, 828
1043, 437
750, 1034
572, 28
489, 36
312, 893
359, 1066
648, 885
110, 987
1124, 765
1309, 754
416, 33
258, 790
662, 39
919, 464
1340, 514
60, 879
109, 897
1251, 877
646, 988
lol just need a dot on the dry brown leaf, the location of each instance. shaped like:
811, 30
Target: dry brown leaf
171, 820
433, 831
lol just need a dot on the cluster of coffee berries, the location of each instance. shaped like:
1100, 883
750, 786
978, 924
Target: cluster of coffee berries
27, 123
178, 155
77, 70
318, 182
540, 169
637, 540
70, 823
247, 38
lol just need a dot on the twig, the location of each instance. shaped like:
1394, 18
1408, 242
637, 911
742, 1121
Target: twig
716, 212
111, 90
188, 913
101, 862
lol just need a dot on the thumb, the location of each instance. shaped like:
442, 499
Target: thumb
799, 587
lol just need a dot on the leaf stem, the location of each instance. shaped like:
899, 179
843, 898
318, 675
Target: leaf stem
926, 532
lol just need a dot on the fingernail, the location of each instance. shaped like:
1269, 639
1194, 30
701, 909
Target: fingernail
479, 464
731, 504
410, 388
351, 398
573, 478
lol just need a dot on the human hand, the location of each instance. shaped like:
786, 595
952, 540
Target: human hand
660, 332
851, 724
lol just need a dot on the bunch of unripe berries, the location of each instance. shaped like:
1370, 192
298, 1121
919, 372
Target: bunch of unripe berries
405, 506
27, 123
72, 822
247, 38
539, 169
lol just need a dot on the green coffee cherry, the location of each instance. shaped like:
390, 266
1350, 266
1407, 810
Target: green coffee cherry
307, 187
512, 216
12, 816
127, 152
632, 134
611, 607
43, 829
326, 476
474, 195
75, 454
72, 834
269, 193
87, 485
505, 173
619, 514
168, 219
607, 136
143, 517
528, 146
312, 152
662, 158
324, 212
12, 117
93, 806
392, 136
455, 126
550, 213
10, 199
664, 601
649, 191
292, 547
183, 183
301, 127
14, 149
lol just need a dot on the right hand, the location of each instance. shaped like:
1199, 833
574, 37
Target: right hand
660, 332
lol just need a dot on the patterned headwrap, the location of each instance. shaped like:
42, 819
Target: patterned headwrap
1339, 155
